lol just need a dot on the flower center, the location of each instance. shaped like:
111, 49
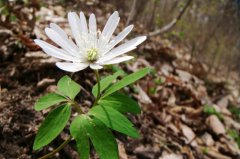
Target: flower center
92, 54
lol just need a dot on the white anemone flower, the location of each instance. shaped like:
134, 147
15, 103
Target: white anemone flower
91, 48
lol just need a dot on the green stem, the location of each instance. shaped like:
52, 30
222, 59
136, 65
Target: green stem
76, 106
99, 87
57, 149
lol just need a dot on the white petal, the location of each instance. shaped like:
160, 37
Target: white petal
112, 29
63, 42
114, 53
92, 25
122, 49
74, 23
110, 26
83, 21
119, 37
117, 60
54, 51
95, 66
72, 67
59, 30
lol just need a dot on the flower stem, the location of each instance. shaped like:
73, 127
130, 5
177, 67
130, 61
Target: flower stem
99, 87
57, 149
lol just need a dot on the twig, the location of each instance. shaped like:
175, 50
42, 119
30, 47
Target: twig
172, 23
132, 12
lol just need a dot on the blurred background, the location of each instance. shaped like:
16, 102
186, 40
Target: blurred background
193, 47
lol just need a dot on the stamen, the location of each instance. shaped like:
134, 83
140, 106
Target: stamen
92, 54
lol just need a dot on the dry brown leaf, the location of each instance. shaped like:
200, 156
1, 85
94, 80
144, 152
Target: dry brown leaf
171, 156
216, 155
229, 122
207, 139
45, 82
215, 125
142, 96
122, 151
187, 132
184, 75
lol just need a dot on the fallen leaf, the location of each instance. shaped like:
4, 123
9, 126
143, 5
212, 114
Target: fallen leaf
215, 125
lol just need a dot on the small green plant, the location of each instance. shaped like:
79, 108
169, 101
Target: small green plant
236, 112
205, 150
235, 135
152, 90
159, 80
96, 124
210, 110
94, 50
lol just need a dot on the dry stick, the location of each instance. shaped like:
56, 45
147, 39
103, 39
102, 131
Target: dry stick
192, 53
172, 23
210, 36
215, 54
132, 12
57, 149
136, 8
149, 24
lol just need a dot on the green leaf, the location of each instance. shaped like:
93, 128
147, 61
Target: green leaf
116, 68
52, 126
68, 87
129, 79
48, 100
101, 137
210, 110
78, 131
121, 103
103, 140
104, 83
114, 120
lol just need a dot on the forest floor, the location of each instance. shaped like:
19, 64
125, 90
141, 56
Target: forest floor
186, 112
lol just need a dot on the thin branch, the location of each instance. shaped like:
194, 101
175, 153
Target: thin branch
132, 12
172, 23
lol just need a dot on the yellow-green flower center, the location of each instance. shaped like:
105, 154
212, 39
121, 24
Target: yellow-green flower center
92, 54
